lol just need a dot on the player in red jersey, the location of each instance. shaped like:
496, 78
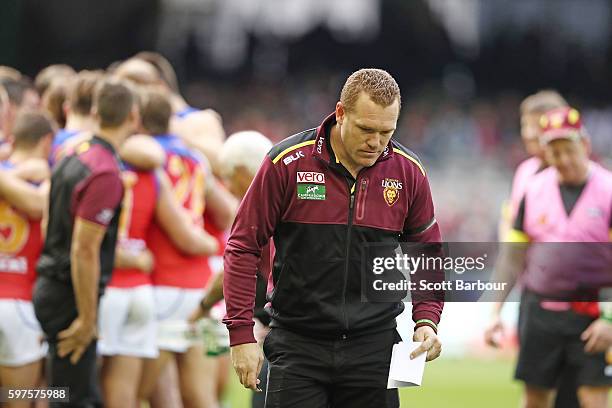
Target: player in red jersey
21, 210
178, 278
127, 311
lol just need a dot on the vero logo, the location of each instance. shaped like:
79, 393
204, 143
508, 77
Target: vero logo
310, 177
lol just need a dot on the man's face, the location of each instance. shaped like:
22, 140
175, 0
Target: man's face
530, 133
365, 130
570, 158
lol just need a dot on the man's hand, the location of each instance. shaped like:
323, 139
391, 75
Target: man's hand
494, 332
430, 343
598, 336
247, 360
75, 339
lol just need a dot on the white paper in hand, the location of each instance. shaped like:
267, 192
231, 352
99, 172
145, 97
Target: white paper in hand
405, 372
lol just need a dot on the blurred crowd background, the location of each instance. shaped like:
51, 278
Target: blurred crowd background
277, 66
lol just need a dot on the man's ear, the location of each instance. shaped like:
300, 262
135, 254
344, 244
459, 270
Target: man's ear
135, 116
586, 142
48, 142
339, 112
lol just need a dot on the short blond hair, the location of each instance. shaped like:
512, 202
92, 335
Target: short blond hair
541, 102
380, 86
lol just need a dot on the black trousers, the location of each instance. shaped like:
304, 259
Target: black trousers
306, 372
55, 309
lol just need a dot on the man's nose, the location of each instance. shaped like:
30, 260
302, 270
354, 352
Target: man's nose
564, 160
373, 142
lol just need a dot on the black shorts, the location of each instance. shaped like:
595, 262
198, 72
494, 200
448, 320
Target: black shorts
550, 344
306, 372
55, 309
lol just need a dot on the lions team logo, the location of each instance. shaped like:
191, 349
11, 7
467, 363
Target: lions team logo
14, 230
391, 190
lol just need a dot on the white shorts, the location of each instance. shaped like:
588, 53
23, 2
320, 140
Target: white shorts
127, 322
174, 306
21, 339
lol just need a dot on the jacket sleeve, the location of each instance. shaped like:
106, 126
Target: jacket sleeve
421, 226
255, 222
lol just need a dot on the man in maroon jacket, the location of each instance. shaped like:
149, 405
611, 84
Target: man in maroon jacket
323, 194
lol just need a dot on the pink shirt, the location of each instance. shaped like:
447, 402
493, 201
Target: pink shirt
559, 258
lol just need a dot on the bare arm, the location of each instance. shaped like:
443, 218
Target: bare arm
221, 205
510, 264
22, 195
46, 188
85, 271
33, 169
175, 221
142, 152
204, 132
213, 294
85, 267
126, 259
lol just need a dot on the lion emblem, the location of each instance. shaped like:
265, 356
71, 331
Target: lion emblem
390, 194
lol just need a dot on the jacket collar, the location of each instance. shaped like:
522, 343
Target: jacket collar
320, 147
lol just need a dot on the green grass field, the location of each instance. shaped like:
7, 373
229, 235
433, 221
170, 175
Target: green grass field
457, 383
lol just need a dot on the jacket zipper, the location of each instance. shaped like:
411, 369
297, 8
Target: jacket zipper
360, 209
348, 251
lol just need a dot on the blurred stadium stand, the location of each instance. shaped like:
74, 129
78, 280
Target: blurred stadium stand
463, 67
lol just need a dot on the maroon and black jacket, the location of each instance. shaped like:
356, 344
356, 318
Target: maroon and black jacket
320, 224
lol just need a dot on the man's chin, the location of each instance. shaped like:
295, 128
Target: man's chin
367, 162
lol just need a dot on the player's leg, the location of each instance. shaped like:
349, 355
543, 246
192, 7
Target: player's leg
593, 397
541, 353
120, 381
197, 378
196, 374
128, 317
224, 364
537, 397
159, 382
21, 346
119, 375
24, 376
593, 377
